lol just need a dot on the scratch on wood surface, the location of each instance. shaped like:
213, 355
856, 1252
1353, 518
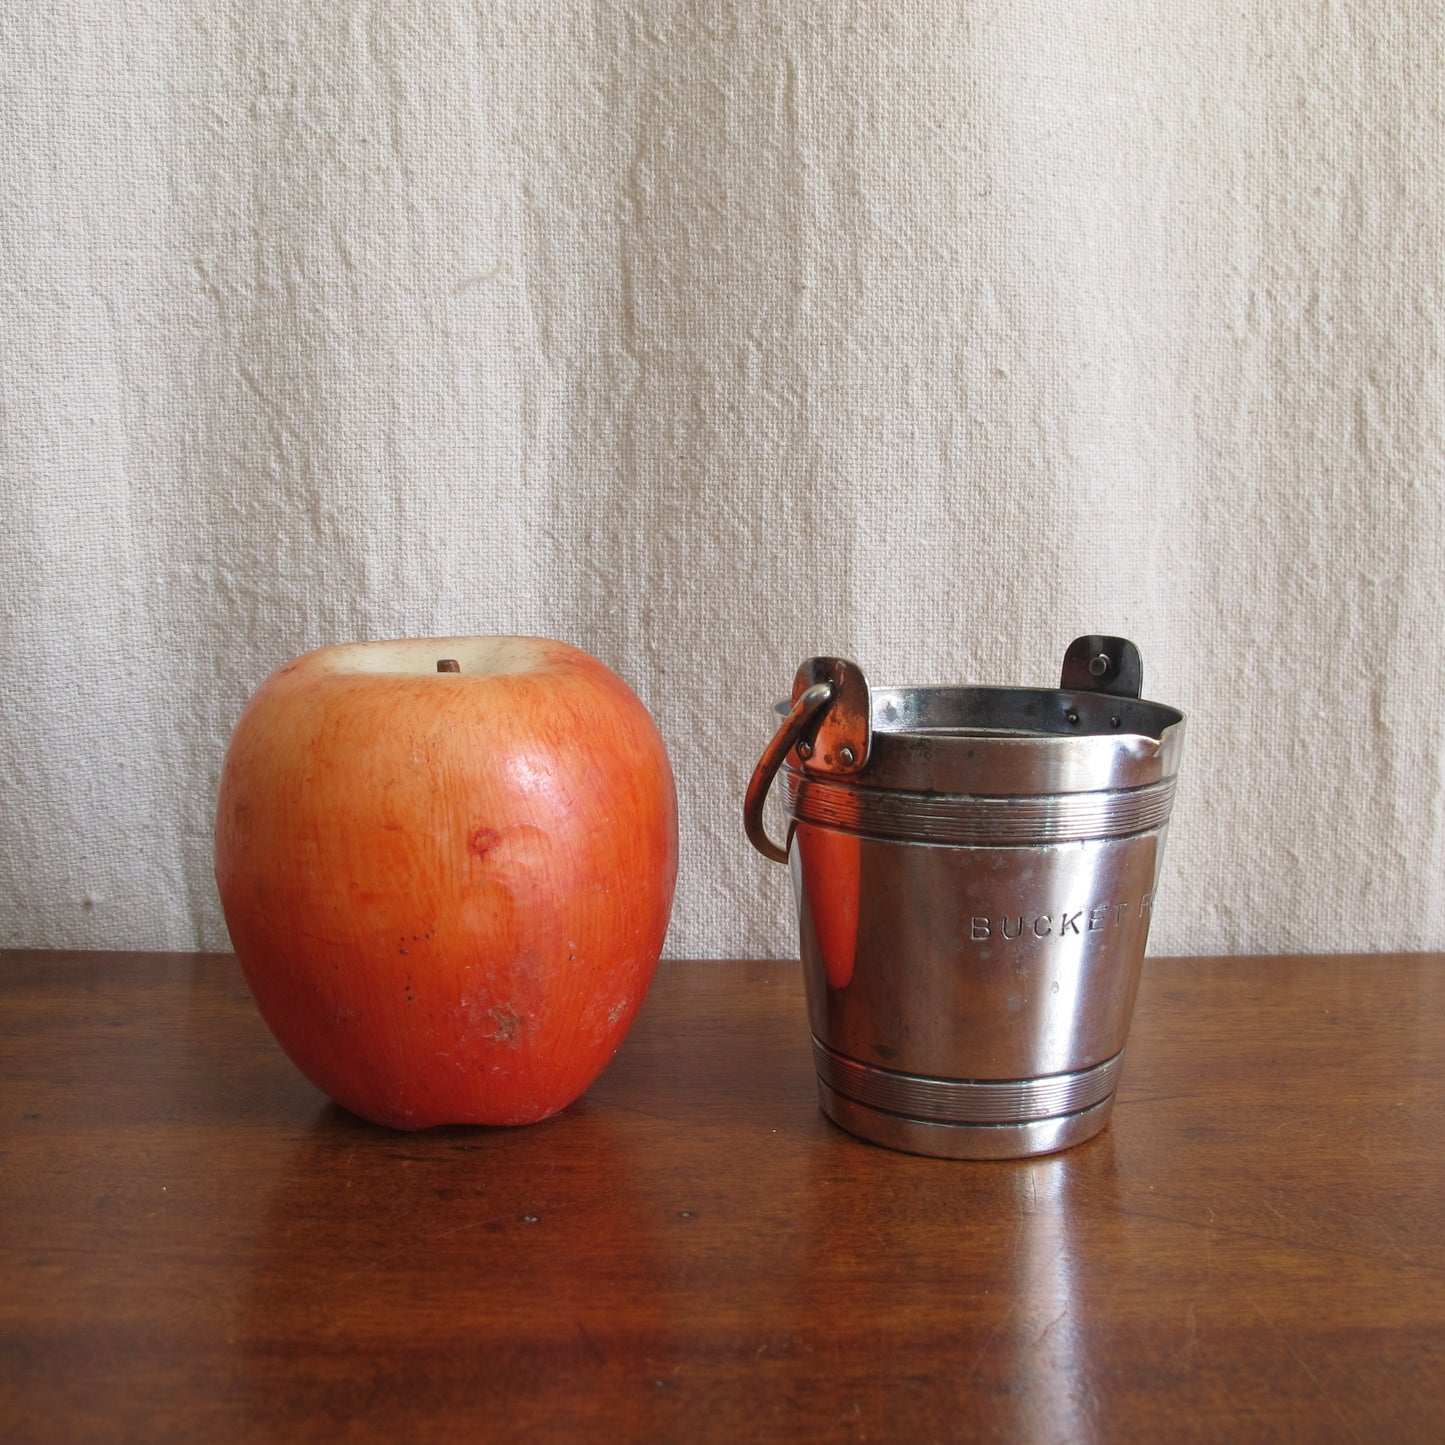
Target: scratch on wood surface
589, 1343
993, 1334
1191, 1334
1284, 1337
422, 1241
1058, 1319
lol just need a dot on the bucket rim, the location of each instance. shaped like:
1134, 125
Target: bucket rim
1057, 714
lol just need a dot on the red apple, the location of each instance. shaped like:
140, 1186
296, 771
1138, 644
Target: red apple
447, 890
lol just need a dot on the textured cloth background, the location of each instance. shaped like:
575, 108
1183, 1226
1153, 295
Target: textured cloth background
709, 337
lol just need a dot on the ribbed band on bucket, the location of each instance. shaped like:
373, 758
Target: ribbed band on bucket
966, 1101
1003, 821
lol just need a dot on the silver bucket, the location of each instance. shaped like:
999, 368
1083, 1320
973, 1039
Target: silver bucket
975, 871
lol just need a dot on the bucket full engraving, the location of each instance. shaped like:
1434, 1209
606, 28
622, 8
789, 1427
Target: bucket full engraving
975, 871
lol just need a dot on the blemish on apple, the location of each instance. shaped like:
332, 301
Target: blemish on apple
482, 841
506, 1023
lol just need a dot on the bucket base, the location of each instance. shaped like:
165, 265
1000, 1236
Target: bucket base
964, 1141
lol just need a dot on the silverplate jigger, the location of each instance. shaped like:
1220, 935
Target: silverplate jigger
975, 871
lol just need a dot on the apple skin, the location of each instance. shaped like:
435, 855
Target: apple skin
448, 892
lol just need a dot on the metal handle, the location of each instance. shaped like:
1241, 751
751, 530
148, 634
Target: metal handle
805, 708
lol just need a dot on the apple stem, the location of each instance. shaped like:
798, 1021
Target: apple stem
448, 664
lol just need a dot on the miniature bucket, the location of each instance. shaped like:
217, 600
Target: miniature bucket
975, 871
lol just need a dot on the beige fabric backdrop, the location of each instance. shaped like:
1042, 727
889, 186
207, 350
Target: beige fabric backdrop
709, 336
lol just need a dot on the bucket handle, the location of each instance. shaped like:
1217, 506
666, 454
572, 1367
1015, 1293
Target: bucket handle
807, 705
830, 726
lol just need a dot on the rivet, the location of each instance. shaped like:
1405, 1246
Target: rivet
1099, 664
805, 751
1072, 716
847, 757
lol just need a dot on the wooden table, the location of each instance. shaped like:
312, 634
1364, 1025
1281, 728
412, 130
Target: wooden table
194, 1245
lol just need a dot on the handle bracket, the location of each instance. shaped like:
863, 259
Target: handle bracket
828, 729
1096, 663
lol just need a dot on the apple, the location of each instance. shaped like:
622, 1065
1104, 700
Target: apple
447, 866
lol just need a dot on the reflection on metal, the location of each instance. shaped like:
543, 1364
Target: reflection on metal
974, 895
1048, 1322
830, 862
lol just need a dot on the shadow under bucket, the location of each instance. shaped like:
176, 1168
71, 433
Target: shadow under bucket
975, 870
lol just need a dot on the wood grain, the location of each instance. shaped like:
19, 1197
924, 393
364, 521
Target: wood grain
194, 1245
